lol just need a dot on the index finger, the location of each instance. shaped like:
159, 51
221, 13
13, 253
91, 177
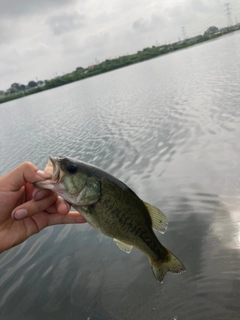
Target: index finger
71, 217
18, 177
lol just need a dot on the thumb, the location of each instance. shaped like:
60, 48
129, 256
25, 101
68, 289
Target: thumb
18, 177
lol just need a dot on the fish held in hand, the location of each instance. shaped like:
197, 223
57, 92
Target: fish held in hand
113, 208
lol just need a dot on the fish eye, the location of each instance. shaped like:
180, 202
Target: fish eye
71, 168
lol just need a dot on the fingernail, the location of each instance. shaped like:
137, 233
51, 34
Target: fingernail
19, 214
40, 194
43, 175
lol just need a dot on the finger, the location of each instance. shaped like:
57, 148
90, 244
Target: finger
39, 194
71, 217
26, 172
28, 192
32, 207
60, 206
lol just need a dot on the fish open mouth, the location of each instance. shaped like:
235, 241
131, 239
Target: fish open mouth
53, 170
53, 174
53, 167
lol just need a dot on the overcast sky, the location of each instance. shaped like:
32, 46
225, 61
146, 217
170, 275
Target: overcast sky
39, 38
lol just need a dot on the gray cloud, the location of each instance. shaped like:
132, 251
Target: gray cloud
147, 25
6, 31
66, 22
181, 14
41, 37
84, 50
206, 6
25, 7
38, 50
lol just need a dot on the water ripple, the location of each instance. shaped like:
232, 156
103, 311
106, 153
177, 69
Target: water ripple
168, 128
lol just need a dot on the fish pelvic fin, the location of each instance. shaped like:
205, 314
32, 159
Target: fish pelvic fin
123, 246
170, 264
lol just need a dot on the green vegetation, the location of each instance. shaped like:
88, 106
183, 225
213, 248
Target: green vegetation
112, 64
21, 94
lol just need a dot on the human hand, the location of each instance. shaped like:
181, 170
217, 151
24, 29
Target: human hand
26, 210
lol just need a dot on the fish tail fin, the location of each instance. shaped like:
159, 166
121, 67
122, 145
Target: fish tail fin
169, 264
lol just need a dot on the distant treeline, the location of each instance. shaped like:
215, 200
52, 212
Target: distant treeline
112, 64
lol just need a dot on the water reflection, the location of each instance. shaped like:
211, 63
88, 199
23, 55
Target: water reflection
172, 134
88, 274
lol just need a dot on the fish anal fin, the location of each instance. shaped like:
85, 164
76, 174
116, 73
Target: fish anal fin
123, 246
159, 220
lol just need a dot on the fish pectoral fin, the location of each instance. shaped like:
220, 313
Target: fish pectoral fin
123, 246
159, 220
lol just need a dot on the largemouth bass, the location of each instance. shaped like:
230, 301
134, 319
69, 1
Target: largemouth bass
113, 208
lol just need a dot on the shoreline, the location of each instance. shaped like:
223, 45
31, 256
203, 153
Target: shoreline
117, 63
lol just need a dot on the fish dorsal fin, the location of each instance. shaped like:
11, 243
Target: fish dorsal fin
123, 246
159, 220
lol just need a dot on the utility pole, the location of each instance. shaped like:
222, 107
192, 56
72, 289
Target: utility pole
236, 20
228, 14
184, 33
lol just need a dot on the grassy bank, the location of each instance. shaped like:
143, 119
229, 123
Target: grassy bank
112, 64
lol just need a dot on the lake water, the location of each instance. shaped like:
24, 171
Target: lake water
170, 129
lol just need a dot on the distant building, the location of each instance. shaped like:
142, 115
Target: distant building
91, 67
